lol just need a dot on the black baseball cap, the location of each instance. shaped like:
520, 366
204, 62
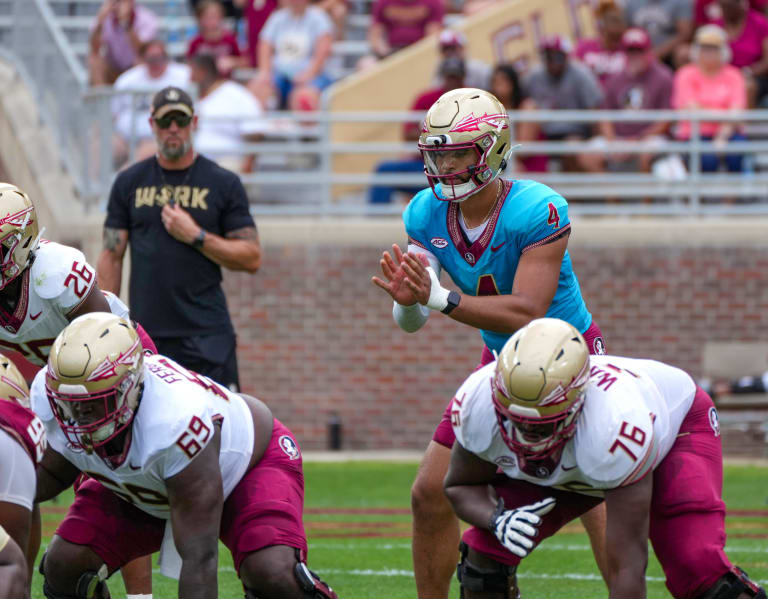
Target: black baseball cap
171, 99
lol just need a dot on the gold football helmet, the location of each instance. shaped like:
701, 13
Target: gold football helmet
539, 385
19, 232
13, 387
94, 381
465, 143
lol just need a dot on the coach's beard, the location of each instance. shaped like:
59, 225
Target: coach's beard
175, 152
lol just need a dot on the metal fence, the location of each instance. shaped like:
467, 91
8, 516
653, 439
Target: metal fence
300, 161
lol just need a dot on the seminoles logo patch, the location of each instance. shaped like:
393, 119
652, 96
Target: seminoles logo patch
714, 421
438, 242
598, 345
289, 447
469, 257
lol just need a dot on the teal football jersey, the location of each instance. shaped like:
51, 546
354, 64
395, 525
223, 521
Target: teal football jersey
530, 215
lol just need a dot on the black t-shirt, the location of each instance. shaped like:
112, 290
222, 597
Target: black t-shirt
175, 290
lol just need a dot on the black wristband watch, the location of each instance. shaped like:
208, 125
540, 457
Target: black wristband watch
453, 300
197, 242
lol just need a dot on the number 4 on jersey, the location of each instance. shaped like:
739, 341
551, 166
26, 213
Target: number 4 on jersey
554, 217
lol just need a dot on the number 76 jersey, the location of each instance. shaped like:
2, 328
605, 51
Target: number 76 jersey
632, 414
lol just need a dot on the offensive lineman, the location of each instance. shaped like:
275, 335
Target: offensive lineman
569, 430
504, 243
164, 445
43, 286
22, 444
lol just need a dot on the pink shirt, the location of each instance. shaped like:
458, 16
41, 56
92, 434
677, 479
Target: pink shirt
602, 61
708, 11
724, 91
748, 47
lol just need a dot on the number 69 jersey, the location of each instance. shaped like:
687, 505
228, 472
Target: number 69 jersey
55, 285
632, 413
173, 423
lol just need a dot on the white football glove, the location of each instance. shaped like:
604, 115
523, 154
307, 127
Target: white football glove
515, 528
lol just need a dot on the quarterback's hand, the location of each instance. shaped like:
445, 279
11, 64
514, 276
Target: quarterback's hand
179, 223
418, 278
394, 284
515, 528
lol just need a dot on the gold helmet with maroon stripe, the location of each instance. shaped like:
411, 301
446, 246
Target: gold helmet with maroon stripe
94, 379
13, 387
539, 386
469, 126
19, 232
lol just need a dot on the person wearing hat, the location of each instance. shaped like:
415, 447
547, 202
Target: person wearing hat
453, 43
644, 84
668, 22
185, 217
604, 54
711, 83
563, 84
452, 71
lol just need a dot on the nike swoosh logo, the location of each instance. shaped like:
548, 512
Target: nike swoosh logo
35, 317
494, 248
564, 469
132, 467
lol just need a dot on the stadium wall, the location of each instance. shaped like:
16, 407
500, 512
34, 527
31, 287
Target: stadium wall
317, 338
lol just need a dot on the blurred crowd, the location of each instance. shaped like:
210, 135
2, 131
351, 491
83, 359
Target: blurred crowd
647, 54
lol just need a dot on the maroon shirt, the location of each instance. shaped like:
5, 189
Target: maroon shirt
256, 14
651, 90
226, 45
24, 426
406, 20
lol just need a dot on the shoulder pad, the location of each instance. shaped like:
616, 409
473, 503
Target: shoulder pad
53, 264
472, 414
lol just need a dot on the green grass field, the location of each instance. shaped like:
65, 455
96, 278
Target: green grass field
358, 523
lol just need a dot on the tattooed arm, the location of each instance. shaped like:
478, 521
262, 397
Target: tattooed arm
109, 268
237, 250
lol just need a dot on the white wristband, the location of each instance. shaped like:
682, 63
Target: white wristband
438, 295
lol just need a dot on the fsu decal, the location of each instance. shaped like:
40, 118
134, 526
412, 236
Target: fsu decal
472, 122
289, 447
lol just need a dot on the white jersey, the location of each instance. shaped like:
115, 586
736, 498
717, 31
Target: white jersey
632, 413
52, 288
173, 423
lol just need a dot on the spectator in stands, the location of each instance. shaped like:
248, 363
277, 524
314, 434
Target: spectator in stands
710, 83
706, 12
747, 31
605, 54
505, 85
561, 83
669, 23
232, 8
228, 115
121, 28
293, 51
452, 71
454, 43
645, 84
131, 110
215, 39
399, 23
256, 13
337, 10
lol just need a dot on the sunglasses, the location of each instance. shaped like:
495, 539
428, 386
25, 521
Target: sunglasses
182, 120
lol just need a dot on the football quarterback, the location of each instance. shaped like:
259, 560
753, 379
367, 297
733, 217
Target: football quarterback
504, 244
163, 448
570, 431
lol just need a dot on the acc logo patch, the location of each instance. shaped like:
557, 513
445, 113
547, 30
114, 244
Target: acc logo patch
438, 242
714, 421
289, 447
505, 461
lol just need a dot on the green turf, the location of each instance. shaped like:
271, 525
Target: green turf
360, 566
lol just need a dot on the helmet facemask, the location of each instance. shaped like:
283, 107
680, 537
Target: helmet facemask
90, 421
16, 247
458, 185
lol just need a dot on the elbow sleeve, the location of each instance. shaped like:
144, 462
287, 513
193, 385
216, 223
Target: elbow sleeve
410, 318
